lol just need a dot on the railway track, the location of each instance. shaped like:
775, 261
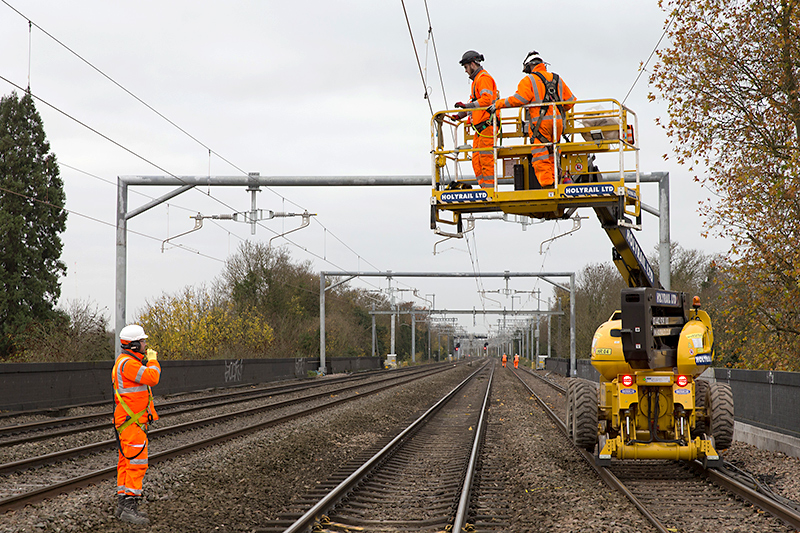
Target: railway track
679, 496
421, 480
48, 426
60, 472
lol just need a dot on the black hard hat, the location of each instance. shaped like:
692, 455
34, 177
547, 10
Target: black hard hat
471, 56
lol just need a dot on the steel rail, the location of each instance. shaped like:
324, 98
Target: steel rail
101, 445
477, 445
215, 401
228, 398
339, 492
20, 500
604, 473
767, 504
788, 515
76, 419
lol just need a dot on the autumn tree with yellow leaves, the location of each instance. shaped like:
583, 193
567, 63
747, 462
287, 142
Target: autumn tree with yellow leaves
261, 305
730, 77
192, 325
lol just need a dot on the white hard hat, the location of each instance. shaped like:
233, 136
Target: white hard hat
531, 60
132, 332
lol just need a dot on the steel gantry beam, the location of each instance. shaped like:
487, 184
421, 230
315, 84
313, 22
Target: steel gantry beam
186, 183
255, 180
390, 275
428, 314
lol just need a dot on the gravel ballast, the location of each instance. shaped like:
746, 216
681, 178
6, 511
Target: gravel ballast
237, 486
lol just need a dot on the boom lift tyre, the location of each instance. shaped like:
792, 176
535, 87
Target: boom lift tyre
700, 394
720, 406
570, 418
585, 415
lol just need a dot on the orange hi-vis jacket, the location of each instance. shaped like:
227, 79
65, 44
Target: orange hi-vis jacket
531, 90
483, 94
132, 381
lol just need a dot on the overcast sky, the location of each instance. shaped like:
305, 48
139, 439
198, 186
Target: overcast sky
311, 89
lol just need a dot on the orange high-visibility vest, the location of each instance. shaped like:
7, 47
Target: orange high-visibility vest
484, 93
531, 90
132, 381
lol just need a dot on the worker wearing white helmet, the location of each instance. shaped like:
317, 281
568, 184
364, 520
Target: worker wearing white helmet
135, 371
545, 122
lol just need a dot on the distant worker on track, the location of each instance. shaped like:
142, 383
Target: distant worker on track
516, 360
504, 360
537, 87
135, 371
483, 93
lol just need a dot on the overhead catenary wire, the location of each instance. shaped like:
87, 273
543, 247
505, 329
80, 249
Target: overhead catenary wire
100, 221
644, 65
140, 100
160, 168
473, 260
113, 184
138, 233
435, 53
112, 80
121, 146
416, 55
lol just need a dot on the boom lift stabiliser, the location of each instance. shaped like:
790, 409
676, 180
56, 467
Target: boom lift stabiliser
650, 404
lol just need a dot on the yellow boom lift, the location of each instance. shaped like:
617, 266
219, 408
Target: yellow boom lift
649, 353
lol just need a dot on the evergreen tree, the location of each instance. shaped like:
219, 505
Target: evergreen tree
31, 219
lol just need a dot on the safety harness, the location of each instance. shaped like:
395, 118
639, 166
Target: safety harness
550, 95
479, 127
133, 419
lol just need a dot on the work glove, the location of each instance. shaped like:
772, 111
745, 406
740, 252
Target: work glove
455, 117
491, 109
460, 105
152, 355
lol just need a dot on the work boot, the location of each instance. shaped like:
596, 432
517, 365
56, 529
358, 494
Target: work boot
130, 512
136, 501
120, 505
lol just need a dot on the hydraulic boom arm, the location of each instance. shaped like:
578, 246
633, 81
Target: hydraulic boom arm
628, 256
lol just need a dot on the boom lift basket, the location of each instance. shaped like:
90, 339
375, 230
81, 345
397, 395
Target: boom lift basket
592, 129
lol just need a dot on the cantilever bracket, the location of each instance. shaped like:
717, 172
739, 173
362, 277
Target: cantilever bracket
306, 221
447, 235
576, 225
198, 223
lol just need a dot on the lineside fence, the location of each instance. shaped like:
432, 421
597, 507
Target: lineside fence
27, 386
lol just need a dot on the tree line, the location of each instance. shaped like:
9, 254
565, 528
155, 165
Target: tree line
730, 76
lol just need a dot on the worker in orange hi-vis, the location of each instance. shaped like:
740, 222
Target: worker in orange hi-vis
516, 360
540, 86
504, 360
483, 93
135, 370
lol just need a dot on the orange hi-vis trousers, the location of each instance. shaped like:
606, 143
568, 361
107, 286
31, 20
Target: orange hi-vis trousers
542, 158
483, 157
130, 472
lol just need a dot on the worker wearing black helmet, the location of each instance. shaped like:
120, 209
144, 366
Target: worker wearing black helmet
483, 93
